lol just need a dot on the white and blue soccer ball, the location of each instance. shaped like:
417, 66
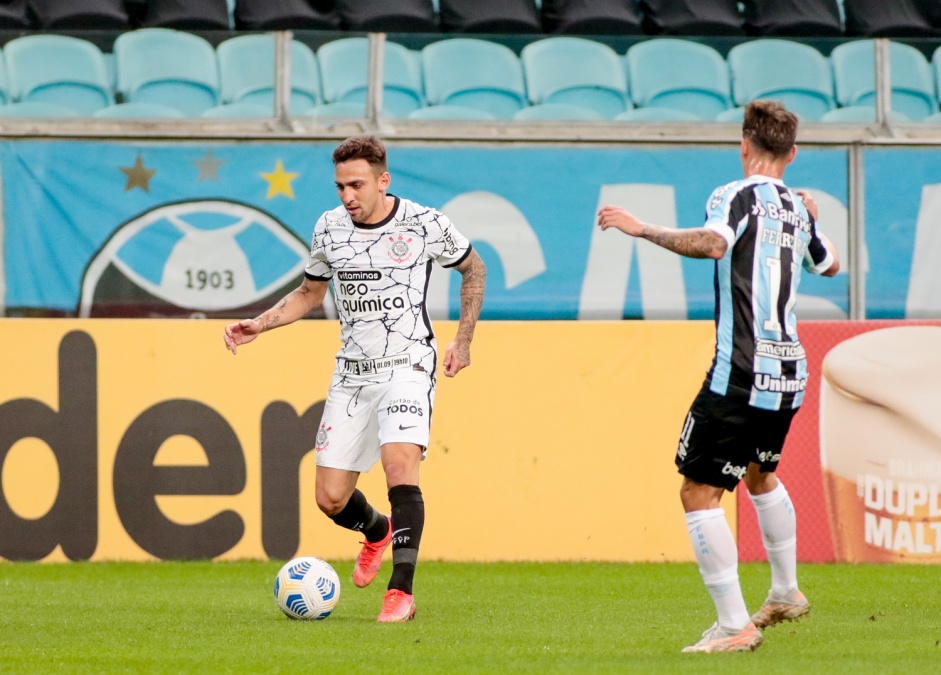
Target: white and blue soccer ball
307, 588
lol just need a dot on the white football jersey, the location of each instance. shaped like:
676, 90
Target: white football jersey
380, 276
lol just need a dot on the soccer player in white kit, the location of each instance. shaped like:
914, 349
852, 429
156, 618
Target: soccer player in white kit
378, 250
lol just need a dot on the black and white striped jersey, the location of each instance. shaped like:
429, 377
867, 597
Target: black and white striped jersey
771, 238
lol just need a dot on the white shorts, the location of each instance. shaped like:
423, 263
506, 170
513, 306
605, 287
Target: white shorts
358, 420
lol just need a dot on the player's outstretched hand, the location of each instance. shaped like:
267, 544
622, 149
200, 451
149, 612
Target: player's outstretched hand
809, 202
241, 333
456, 358
620, 219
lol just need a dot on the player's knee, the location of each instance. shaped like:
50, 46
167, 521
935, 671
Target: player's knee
331, 504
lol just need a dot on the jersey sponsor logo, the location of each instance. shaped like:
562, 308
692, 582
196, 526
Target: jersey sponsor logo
450, 246
768, 456
765, 382
730, 470
359, 275
775, 212
356, 295
782, 351
717, 195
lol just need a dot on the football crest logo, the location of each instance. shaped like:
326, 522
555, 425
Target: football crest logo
400, 251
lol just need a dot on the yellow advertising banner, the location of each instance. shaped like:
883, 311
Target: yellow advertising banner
146, 439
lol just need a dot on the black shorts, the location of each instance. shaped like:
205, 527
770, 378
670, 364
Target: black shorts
723, 435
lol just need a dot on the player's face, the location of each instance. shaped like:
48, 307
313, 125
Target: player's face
362, 190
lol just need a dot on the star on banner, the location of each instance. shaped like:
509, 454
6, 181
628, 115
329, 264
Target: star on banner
138, 176
208, 166
279, 181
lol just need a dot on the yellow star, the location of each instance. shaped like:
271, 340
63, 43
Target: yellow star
138, 176
279, 181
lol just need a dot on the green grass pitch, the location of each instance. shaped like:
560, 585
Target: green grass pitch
203, 617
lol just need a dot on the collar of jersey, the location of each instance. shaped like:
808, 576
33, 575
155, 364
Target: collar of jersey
385, 221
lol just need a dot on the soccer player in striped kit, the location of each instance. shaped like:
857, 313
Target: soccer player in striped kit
761, 234
378, 251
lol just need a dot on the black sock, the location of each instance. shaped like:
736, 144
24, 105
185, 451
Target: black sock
408, 521
358, 515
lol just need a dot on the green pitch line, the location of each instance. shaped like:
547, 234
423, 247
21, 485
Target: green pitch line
199, 617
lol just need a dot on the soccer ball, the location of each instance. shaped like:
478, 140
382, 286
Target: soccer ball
307, 588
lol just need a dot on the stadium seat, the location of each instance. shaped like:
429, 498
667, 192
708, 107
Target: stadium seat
449, 112
878, 18
557, 111
794, 18
655, 114
576, 71
591, 17
691, 17
401, 16
242, 109
138, 111
860, 113
187, 14
474, 73
247, 73
731, 115
933, 119
185, 76
14, 15
913, 87
83, 14
37, 109
673, 73
805, 86
342, 109
58, 69
285, 15
344, 68
489, 16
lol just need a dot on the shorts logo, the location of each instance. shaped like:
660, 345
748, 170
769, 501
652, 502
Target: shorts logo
322, 442
404, 405
400, 251
737, 471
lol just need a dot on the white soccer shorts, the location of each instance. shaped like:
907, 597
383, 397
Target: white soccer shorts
358, 421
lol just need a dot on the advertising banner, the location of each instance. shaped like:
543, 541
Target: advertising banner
147, 440
862, 462
97, 229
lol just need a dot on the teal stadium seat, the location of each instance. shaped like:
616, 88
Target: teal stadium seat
654, 114
474, 73
674, 73
558, 111
343, 109
933, 119
913, 86
37, 109
936, 68
804, 83
860, 113
58, 69
449, 112
138, 111
4, 81
344, 66
159, 65
732, 115
242, 109
247, 73
575, 71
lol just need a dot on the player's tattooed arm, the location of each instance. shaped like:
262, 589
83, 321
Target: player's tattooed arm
296, 304
693, 243
473, 282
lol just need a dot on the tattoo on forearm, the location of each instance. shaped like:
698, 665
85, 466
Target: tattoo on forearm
696, 243
473, 283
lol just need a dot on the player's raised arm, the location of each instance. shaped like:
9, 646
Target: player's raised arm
296, 304
473, 281
696, 242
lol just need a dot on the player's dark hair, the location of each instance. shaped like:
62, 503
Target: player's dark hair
771, 127
368, 148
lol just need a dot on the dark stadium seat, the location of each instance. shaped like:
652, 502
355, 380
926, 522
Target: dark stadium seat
879, 18
795, 18
14, 14
490, 16
187, 14
691, 17
401, 16
591, 17
84, 14
284, 15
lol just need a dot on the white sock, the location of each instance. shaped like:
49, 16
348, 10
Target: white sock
779, 534
717, 556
